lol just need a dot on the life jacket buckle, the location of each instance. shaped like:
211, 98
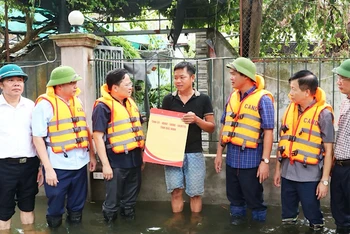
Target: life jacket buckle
222, 144
301, 132
234, 124
133, 119
284, 128
76, 129
292, 138
135, 129
304, 162
75, 119
79, 140
233, 115
281, 149
138, 138
231, 134
295, 153
241, 116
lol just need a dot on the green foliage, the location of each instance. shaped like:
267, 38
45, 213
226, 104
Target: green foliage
319, 28
129, 52
155, 95
308, 23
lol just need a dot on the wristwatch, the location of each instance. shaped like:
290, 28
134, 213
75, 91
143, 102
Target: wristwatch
265, 160
325, 182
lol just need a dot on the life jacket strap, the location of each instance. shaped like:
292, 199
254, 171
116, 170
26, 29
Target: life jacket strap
67, 131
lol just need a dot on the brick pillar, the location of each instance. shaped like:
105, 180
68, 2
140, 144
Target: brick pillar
203, 74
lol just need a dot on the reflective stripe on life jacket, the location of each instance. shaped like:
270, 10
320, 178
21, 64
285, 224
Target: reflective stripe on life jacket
301, 139
243, 121
67, 129
124, 132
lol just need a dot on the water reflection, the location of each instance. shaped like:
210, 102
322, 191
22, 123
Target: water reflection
156, 217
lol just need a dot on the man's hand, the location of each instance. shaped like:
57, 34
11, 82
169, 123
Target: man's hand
107, 172
321, 191
40, 177
189, 118
218, 163
277, 178
92, 164
51, 177
263, 172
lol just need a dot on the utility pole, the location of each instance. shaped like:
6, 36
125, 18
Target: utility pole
7, 46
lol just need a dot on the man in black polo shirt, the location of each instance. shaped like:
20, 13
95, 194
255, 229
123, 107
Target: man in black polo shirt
199, 115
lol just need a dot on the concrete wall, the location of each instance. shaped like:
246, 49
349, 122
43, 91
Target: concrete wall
154, 189
153, 186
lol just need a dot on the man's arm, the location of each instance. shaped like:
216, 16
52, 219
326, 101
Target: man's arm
263, 170
277, 175
93, 162
322, 189
102, 154
50, 174
326, 119
218, 158
207, 124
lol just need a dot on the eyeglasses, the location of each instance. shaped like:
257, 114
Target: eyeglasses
128, 84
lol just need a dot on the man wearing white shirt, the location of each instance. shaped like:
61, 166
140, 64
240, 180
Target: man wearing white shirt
63, 141
19, 166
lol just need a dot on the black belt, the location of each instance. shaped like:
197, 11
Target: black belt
18, 160
343, 163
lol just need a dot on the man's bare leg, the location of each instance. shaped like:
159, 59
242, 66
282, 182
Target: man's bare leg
196, 204
5, 225
177, 202
27, 217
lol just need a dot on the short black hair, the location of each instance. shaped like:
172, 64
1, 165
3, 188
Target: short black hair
189, 66
306, 80
115, 77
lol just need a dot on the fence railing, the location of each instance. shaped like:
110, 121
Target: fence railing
153, 79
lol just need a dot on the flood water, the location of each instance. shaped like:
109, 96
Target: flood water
156, 217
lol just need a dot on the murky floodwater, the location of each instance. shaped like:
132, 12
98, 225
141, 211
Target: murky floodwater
156, 217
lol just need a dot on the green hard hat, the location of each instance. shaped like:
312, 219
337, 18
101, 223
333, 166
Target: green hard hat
63, 75
343, 69
244, 66
12, 70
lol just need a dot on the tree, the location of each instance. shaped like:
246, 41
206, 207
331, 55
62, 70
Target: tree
32, 29
323, 24
268, 27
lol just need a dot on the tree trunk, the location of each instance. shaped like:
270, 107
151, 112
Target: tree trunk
251, 19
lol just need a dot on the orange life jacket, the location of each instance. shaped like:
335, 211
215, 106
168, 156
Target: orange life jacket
68, 128
124, 132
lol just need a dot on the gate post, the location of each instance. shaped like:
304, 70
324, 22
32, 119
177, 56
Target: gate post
77, 52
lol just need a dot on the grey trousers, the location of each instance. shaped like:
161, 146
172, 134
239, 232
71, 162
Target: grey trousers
122, 191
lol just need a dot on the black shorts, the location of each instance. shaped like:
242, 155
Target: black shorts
18, 184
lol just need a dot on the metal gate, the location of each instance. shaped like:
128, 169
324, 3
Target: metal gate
106, 58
